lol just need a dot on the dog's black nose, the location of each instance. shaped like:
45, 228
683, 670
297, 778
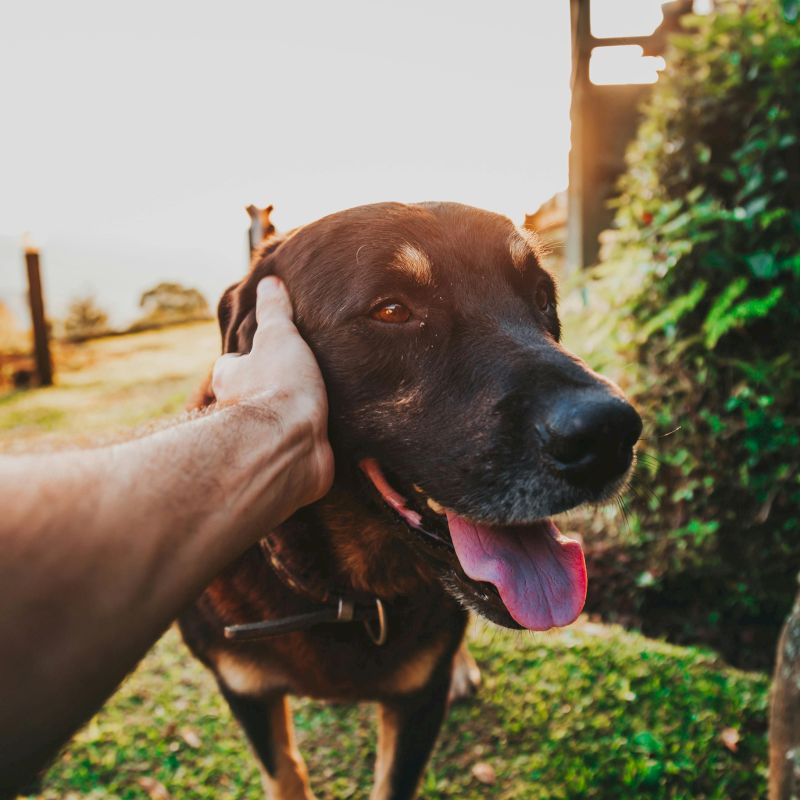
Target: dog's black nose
590, 439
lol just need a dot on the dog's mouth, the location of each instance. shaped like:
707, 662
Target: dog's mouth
538, 573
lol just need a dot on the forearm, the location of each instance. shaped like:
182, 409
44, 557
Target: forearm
102, 548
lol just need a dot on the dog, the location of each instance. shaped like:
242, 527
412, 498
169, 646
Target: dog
459, 426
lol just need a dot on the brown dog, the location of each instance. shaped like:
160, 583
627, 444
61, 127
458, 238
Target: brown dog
459, 425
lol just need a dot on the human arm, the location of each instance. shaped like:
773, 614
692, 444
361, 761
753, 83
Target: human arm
100, 549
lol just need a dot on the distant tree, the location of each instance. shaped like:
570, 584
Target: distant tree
85, 319
172, 302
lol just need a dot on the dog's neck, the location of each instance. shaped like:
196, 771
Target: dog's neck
337, 545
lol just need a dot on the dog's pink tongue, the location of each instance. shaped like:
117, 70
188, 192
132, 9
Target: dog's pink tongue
540, 574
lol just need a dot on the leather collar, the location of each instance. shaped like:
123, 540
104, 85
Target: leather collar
333, 605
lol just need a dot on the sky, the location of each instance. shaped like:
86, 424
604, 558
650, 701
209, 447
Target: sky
134, 134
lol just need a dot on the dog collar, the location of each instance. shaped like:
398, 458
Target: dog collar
334, 607
344, 611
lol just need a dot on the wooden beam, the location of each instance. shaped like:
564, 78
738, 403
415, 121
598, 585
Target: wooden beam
604, 119
41, 338
647, 43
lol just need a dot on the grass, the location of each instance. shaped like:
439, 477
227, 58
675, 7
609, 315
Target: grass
589, 712
109, 385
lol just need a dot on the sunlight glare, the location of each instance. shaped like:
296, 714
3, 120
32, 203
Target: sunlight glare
623, 64
612, 18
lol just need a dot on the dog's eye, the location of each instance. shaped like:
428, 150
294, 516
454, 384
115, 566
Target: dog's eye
390, 312
543, 299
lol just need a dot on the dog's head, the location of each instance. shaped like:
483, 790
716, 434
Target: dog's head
452, 404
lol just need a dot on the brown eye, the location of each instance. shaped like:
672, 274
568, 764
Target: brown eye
543, 299
391, 312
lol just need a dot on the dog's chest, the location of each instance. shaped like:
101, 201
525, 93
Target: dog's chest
333, 670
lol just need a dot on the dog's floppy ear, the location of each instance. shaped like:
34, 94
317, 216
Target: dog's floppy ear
236, 311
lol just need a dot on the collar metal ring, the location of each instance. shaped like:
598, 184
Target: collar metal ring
383, 632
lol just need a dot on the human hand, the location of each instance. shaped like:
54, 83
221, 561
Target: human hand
280, 379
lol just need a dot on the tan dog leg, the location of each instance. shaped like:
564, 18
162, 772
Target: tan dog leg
387, 742
466, 675
407, 730
269, 727
290, 781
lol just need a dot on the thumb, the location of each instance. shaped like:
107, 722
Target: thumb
221, 370
272, 298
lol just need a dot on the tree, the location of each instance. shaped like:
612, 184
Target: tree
85, 319
169, 302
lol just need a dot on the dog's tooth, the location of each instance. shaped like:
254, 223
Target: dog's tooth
434, 506
417, 488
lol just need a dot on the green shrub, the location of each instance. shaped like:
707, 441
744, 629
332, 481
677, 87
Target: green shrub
706, 258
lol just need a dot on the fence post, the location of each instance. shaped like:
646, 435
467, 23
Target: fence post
41, 339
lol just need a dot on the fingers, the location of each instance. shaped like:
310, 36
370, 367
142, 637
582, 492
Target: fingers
272, 298
278, 356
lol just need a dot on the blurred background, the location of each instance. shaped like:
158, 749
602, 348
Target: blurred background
654, 149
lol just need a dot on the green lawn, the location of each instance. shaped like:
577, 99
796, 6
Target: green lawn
589, 712
109, 385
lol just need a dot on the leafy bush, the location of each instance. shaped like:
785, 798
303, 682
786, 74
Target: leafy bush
706, 258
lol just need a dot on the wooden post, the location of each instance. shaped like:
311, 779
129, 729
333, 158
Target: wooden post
604, 119
784, 717
41, 339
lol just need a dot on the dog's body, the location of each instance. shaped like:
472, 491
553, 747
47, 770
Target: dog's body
409, 675
436, 332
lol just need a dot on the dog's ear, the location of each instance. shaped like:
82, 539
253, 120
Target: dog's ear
236, 311
224, 312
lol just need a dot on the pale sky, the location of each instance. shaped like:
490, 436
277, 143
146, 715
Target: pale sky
133, 134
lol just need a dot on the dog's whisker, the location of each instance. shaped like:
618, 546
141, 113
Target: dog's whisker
658, 436
642, 491
645, 457
622, 505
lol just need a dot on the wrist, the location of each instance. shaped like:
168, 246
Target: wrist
275, 457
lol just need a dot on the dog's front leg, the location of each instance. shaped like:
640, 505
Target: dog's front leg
407, 731
269, 727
